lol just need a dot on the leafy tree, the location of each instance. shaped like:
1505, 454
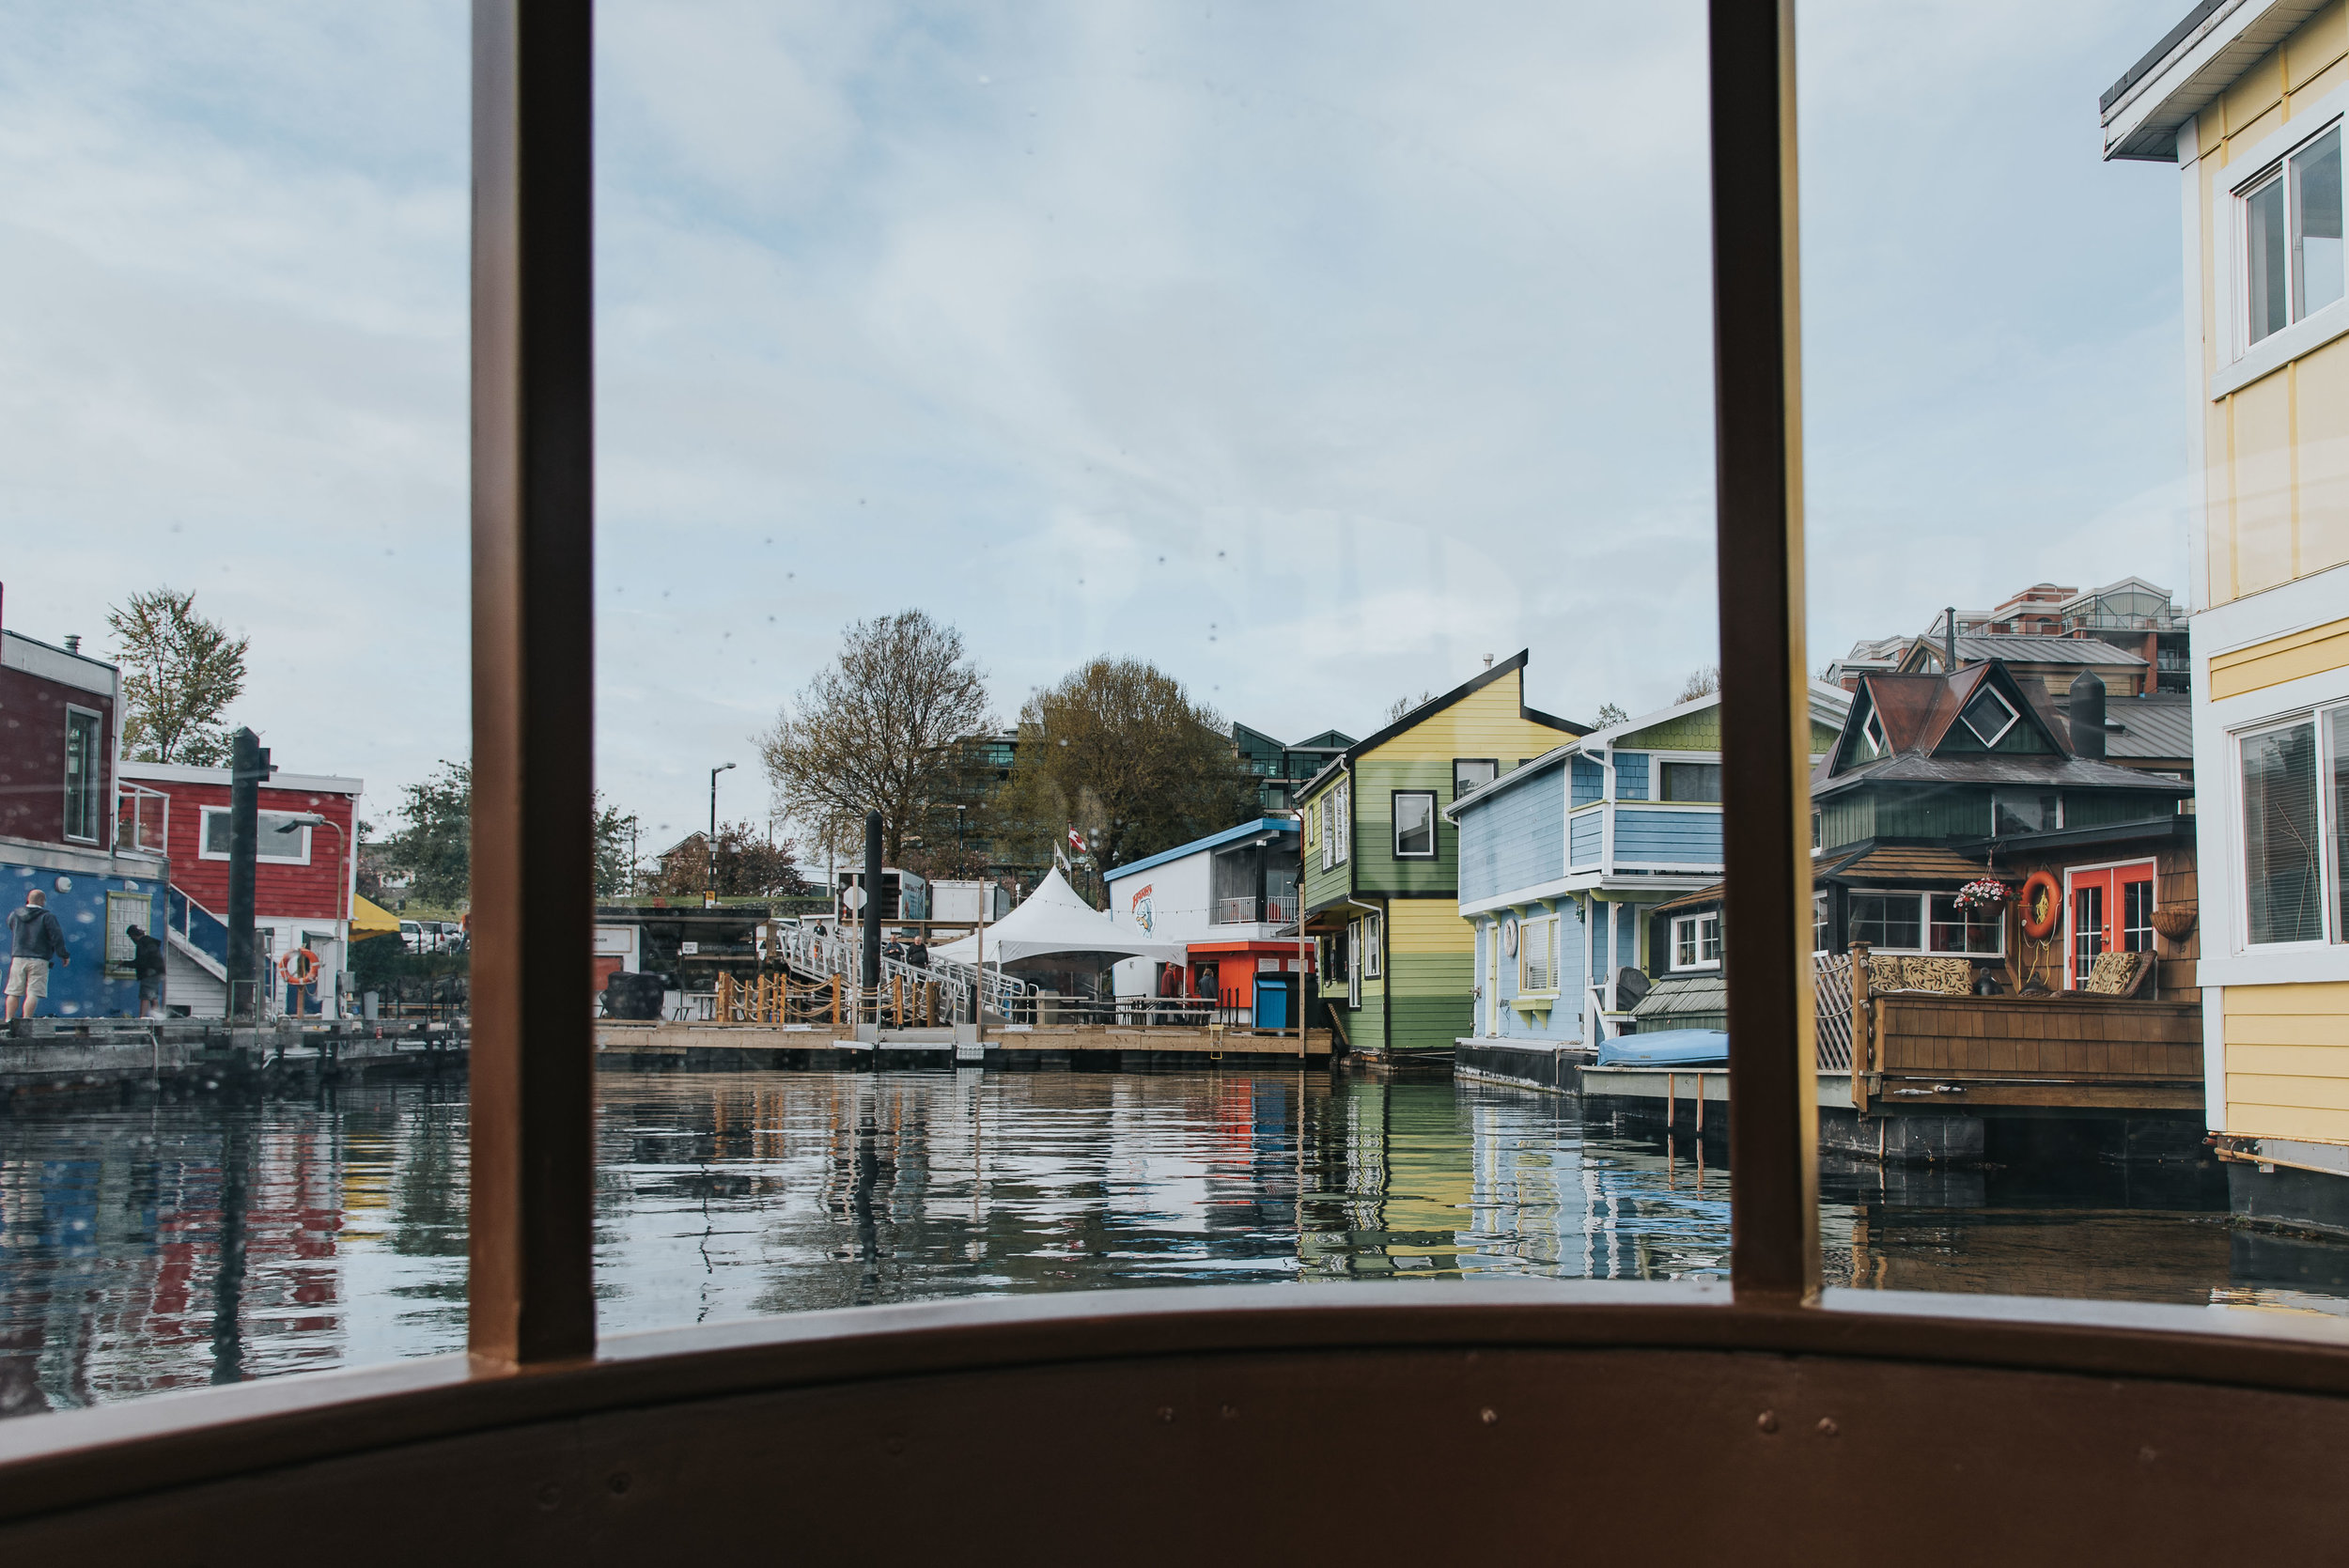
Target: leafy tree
1610, 713
878, 730
436, 846
748, 866
180, 674
1118, 751
615, 849
1701, 683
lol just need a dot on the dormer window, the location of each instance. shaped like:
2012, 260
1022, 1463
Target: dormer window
1989, 716
1871, 735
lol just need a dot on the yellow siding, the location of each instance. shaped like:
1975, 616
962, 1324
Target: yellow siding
2287, 1055
1484, 723
1428, 925
2276, 453
2271, 663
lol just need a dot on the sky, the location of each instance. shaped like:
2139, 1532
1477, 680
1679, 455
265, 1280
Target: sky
1311, 352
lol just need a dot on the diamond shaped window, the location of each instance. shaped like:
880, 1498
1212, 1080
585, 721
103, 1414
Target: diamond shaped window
1989, 716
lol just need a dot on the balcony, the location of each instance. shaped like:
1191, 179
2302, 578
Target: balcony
1244, 912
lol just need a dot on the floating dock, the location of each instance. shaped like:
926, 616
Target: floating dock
704, 1046
109, 1058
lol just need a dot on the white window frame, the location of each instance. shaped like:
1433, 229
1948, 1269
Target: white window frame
2242, 361
1374, 947
1924, 925
1660, 763
2329, 934
1879, 739
1394, 826
2153, 867
98, 774
2013, 718
1342, 824
1697, 939
1544, 930
204, 838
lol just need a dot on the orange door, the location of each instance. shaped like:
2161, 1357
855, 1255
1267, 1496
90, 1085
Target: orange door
2109, 909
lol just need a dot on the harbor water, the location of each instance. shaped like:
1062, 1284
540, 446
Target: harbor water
168, 1244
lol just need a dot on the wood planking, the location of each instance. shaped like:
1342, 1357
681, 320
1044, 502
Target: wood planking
2285, 1049
2071, 1039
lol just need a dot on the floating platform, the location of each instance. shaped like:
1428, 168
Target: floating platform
109, 1058
721, 1046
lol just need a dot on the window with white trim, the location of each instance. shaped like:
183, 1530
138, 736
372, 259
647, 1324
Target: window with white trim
2283, 834
1924, 922
1472, 774
1537, 954
1414, 824
1697, 941
1699, 781
1374, 947
1341, 825
83, 763
291, 849
1989, 716
2292, 238
1874, 741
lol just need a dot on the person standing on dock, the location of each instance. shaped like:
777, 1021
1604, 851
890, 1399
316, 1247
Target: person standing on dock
34, 941
147, 965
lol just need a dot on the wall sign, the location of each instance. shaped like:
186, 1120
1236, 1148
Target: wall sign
1509, 936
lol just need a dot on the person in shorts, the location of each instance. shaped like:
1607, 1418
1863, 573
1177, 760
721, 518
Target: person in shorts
36, 941
148, 963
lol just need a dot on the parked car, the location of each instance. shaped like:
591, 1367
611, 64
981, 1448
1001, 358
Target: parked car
412, 936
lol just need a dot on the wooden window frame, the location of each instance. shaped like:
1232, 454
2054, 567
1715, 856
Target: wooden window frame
534, 1386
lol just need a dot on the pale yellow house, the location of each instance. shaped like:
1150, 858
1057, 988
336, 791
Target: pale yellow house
2248, 97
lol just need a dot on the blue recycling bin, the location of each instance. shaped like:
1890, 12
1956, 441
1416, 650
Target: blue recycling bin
1272, 1001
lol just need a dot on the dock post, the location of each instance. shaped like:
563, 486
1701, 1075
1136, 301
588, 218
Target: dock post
1700, 1119
1672, 1100
897, 999
835, 1001
1861, 1013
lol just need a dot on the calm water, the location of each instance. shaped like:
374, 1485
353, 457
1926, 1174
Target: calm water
173, 1245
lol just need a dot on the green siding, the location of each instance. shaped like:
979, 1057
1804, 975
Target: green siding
1321, 886
1375, 868
1701, 732
1847, 820
2095, 808
1434, 998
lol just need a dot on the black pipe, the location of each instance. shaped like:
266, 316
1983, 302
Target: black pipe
248, 767
872, 911
2087, 715
1949, 637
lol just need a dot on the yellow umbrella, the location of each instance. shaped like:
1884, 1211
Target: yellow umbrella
371, 919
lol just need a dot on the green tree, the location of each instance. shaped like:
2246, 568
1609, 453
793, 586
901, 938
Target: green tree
436, 846
615, 849
1118, 751
876, 731
1610, 713
750, 865
180, 674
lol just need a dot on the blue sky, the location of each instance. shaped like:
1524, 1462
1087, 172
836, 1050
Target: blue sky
1311, 352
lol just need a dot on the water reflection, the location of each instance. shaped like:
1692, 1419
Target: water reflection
174, 1244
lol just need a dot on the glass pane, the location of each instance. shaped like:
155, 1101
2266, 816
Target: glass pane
2264, 274
235, 333
1415, 824
2279, 833
2316, 237
1693, 782
1887, 919
2336, 791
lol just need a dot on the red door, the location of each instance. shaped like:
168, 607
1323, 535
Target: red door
2109, 909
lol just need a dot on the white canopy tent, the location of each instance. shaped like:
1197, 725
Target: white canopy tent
1053, 923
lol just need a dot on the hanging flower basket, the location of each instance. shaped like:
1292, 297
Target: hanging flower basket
2175, 920
1986, 893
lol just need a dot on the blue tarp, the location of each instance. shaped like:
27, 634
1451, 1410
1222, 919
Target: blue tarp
1668, 1048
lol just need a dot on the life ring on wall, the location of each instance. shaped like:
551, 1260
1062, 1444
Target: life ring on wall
309, 966
2037, 927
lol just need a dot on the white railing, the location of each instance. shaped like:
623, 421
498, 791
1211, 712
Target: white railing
824, 954
1242, 911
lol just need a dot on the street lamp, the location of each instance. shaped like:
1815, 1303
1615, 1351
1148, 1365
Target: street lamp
342, 890
709, 888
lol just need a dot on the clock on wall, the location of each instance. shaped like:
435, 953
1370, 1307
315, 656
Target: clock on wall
1509, 936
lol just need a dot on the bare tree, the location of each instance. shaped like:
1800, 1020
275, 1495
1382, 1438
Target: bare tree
876, 730
1119, 754
1701, 683
1402, 705
180, 674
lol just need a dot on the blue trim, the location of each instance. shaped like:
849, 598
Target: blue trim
1245, 830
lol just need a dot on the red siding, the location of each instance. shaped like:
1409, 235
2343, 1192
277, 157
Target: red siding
32, 756
277, 889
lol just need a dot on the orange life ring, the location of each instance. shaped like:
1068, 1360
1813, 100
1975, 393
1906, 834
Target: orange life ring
2039, 919
310, 968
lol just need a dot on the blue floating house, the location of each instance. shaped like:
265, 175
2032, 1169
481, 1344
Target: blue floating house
1562, 860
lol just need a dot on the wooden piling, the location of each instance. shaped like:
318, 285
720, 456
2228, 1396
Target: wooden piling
897, 999
835, 1001
1863, 1046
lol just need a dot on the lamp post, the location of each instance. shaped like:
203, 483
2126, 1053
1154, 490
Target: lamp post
342, 891
710, 887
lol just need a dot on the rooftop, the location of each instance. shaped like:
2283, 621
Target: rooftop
1213, 841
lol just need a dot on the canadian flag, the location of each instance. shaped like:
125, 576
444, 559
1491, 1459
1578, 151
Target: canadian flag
1076, 841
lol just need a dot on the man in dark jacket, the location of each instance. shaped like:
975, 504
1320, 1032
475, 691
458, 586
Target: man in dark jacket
36, 941
146, 963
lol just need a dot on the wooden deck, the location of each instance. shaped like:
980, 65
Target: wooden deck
2059, 1052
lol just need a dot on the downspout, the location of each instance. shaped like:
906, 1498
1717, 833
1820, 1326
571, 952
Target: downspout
1353, 841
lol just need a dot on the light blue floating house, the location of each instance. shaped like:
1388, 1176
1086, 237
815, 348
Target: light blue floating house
1564, 858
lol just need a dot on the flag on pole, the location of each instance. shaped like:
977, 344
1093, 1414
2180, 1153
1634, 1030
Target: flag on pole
1076, 841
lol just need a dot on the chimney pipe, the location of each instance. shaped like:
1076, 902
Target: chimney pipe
73, 642
1948, 638
2087, 715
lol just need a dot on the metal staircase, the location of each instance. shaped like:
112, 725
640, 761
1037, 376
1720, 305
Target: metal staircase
196, 932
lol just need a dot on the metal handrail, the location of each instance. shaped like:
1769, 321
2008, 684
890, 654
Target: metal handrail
828, 954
